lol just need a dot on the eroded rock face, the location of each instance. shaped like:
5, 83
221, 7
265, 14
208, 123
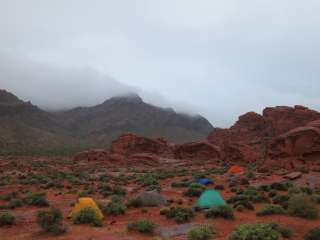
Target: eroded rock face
202, 150
129, 144
249, 138
283, 119
301, 142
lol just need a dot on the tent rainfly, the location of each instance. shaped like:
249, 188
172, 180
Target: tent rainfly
210, 198
86, 202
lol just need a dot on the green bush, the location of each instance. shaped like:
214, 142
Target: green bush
113, 208
36, 199
8, 196
280, 186
259, 231
302, 205
142, 225
7, 219
51, 221
181, 184
87, 216
271, 209
147, 180
313, 234
220, 211
202, 232
281, 200
134, 203
179, 214
14, 203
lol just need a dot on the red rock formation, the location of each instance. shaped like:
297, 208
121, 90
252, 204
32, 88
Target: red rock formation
301, 143
248, 139
202, 150
283, 119
129, 144
92, 155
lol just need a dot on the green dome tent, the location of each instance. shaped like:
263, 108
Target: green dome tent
210, 198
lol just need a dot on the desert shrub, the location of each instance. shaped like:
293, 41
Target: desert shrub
194, 190
272, 193
241, 202
182, 183
313, 234
7, 218
271, 209
142, 225
253, 194
220, 212
51, 221
36, 199
107, 190
302, 205
179, 214
244, 181
147, 180
14, 203
8, 196
134, 203
86, 192
316, 198
201, 232
117, 190
281, 200
114, 208
250, 175
4, 180
87, 216
153, 187
259, 231
265, 188
104, 189
280, 186
284, 231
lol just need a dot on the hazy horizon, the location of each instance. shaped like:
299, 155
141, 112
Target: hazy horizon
216, 59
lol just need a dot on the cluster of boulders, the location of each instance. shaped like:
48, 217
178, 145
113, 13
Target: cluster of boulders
132, 149
281, 136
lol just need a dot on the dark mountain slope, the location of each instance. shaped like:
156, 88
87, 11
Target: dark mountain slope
105, 122
25, 127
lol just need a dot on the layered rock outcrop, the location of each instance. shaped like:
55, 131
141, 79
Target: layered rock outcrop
285, 137
202, 150
250, 137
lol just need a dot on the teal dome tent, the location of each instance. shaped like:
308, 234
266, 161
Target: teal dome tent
210, 198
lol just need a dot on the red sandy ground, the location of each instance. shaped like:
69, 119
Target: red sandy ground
115, 227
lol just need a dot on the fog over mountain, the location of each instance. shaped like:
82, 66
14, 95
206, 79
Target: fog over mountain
219, 59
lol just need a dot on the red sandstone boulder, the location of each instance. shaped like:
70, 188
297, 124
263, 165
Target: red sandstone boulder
237, 152
129, 144
302, 143
202, 150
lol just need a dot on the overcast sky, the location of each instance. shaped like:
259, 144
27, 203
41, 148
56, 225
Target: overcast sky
217, 58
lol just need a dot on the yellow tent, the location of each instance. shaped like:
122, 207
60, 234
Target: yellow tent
84, 203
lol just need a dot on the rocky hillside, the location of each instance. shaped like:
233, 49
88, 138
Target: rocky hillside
281, 134
25, 126
103, 123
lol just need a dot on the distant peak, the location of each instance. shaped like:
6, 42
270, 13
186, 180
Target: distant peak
8, 98
130, 97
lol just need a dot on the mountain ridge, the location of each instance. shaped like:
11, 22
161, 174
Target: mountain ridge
26, 126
